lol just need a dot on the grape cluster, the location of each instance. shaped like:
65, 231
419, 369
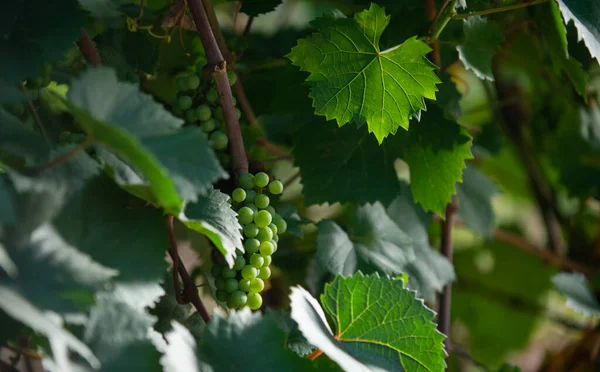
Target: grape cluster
241, 285
203, 108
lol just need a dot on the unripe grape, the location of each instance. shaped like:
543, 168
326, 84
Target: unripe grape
238, 113
222, 295
253, 207
273, 228
208, 125
249, 272
264, 273
251, 245
234, 102
280, 223
220, 283
239, 263
244, 285
203, 112
181, 83
246, 181
276, 238
238, 195
245, 215
250, 230
219, 140
268, 260
231, 285
184, 102
274, 244
262, 201
264, 234
237, 300
232, 77
257, 285
254, 301
261, 179
262, 218
266, 248
219, 115
177, 111
190, 116
276, 187
212, 95
228, 273
257, 260
193, 82
271, 210
250, 196
215, 270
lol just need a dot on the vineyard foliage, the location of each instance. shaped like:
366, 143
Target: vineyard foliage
168, 165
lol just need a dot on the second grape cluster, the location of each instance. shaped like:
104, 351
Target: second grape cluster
241, 285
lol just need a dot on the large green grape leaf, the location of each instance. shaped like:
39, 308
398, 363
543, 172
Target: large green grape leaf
577, 290
483, 39
256, 7
295, 340
116, 229
475, 201
429, 272
352, 80
176, 163
436, 151
379, 325
17, 307
250, 335
212, 216
372, 242
585, 14
345, 164
180, 354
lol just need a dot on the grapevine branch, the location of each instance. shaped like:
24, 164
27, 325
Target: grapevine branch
218, 66
87, 48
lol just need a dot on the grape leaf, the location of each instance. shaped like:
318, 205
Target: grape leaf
116, 229
180, 355
429, 272
167, 310
435, 152
585, 15
379, 324
7, 264
212, 216
17, 307
295, 339
250, 334
483, 39
373, 241
256, 7
344, 62
8, 214
475, 201
577, 290
18, 140
345, 165
294, 222
102, 8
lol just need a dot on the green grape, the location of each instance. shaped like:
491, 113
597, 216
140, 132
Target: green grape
208, 126
262, 218
234, 101
193, 82
264, 234
238, 113
254, 301
253, 207
276, 238
215, 270
246, 181
276, 187
203, 112
250, 230
220, 283
190, 116
219, 140
280, 223
251, 245
266, 248
222, 295
177, 112
184, 102
268, 260
238, 195
232, 77
219, 114
237, 300
228, 273
271, 210
212, 95
245, 215
244, 285
257, 260
264, 273
262, 201
261, 179
250, 196
257, 285
249, 272
181, 83
239, 263
273, 228
275, 245
231, 285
